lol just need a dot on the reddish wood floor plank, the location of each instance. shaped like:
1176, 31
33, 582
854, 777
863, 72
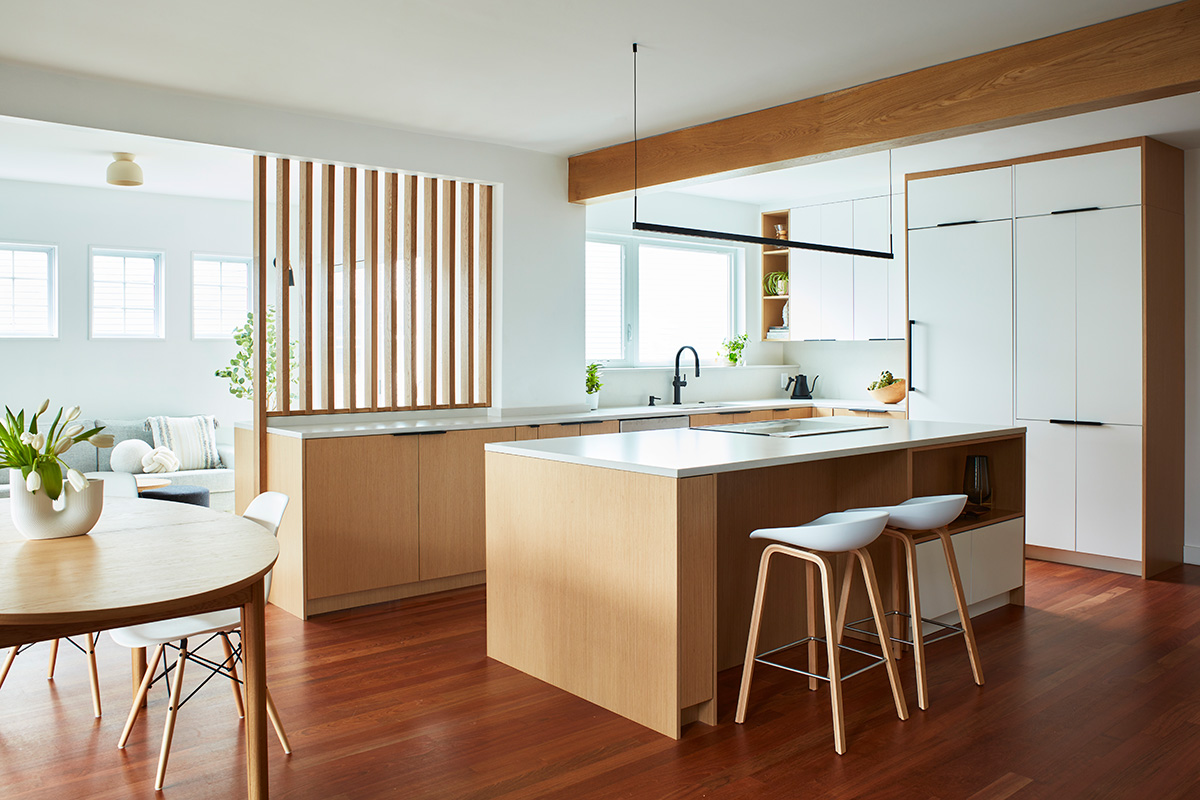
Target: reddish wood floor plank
1091, 693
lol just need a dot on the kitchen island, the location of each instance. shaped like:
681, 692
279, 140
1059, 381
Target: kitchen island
620, 568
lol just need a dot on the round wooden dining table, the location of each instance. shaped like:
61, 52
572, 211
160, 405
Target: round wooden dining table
145, 560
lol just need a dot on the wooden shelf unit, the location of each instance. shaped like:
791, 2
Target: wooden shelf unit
773, 260
939, 470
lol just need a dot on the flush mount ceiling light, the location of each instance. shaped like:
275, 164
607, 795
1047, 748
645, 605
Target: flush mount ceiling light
123, 172
700, 233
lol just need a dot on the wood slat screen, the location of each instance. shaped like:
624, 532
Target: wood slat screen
407, 326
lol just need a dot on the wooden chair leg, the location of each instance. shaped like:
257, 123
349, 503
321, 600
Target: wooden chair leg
868, 570
237, 688
53, 660
961, 599
844, 598
139, 699
93, 675
810, 589
274, 715
752, 639
172, 712
12, 654
916, 627
835, 661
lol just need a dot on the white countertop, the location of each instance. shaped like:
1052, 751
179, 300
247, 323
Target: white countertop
687, 452
331, 426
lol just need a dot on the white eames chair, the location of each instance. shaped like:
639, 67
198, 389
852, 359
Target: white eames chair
267, 510
816, 543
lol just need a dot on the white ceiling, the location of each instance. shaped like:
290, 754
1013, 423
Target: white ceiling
548, 75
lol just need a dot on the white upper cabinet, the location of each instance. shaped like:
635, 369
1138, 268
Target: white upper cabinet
837, 272
1109, 311
977, 196
804, 269
871, 274
897, 327
1046, 317
1096, 180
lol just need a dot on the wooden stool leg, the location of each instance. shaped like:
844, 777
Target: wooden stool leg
810, 588
274, 715
844, 599
961, 599
93, 676
752, 640
868, 570
169, 727
139, 699
12, 654
53, 660
237, 688
916, 627
835, 661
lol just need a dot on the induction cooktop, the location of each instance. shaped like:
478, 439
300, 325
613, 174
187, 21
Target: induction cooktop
791, 428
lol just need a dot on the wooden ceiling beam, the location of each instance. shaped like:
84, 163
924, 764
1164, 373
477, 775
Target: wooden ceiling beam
1145, 56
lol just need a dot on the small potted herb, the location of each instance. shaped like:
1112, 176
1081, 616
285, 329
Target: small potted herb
592, 385
731, 349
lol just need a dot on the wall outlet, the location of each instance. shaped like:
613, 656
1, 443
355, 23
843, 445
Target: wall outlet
783, 379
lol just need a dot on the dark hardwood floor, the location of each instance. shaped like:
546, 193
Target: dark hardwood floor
1093, 691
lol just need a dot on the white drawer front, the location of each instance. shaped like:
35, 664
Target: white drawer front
978, 196
1100, 180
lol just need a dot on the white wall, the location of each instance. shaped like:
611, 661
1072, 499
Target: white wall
1191, 225
122, 378
539, 268
846, 368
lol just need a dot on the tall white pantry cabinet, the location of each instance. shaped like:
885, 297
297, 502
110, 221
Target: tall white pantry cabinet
1047, 292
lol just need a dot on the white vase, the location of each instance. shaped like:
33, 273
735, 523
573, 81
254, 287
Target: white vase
36, 516
594, 401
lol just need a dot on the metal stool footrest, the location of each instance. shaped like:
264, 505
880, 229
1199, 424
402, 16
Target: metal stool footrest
761, 659
950, 630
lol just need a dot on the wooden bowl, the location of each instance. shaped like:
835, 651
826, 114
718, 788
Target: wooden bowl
893, 393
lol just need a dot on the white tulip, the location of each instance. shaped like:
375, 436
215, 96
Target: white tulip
102, 440
72, 431
38, 442
77, 480
26, 438
63, 446
73, 413
33, 482
45, 405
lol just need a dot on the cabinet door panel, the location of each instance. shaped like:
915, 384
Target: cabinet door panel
960, 296
360, 514
792, 413
1109, 491
937, 593
1049, 484
1102, 180
1109, 300
837, 272
594, 428
452, 500
997, 559
980, 195
871, 274
804, 275
554, 431
897, 275
1045, 287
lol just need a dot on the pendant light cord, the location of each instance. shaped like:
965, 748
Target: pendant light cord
635, 136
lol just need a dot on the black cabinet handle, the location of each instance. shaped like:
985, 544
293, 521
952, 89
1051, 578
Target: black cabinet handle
727, 413
911, 386
565, 424
585, 422
952, 224
1093, 423
418, 433
1088, 422
1075, 210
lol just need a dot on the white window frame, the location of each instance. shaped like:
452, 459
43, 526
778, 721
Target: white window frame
159, 257
631, 306
204, 256
51, 289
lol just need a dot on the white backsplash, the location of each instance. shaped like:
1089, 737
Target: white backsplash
633, 387
846, 368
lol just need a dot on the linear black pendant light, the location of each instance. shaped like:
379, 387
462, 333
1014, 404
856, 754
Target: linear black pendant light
702, 233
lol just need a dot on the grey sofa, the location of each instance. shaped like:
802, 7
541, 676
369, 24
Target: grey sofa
86, 458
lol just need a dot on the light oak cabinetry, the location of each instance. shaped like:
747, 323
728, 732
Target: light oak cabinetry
729, 418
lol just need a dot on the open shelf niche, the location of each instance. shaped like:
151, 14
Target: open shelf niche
774, 259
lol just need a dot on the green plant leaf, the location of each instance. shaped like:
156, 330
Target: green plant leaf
51, 472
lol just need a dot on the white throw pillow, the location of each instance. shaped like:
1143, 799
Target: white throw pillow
127, 456
160, 459
192, 439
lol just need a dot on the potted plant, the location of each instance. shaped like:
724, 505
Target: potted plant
888, 389
775, 284
592, 385
43, 504
240, 371
731, 349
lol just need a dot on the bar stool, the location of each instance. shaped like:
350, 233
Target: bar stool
815, 543
912, 522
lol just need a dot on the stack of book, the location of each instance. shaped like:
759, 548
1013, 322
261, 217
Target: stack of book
778, 332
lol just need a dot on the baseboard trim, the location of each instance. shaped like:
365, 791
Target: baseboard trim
1106, 563
341, 602
1191, 554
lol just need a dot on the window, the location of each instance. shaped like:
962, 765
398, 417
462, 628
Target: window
28, 306
220, 296
126, 294
646, 298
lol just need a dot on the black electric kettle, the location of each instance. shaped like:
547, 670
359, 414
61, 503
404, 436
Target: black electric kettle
800, 388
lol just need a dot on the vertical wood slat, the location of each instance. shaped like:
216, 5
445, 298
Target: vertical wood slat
485, 254
389, 288
283, 317
466, 304
349, 286
429, 297
449, 204
304, 266
328, 254
408, 324
371, 286
260, 318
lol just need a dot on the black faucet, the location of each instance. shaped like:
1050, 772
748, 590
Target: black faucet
678, 381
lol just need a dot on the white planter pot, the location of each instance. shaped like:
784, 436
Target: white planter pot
594, 401
36, 516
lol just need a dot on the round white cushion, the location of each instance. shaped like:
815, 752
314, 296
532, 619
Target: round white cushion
127, 456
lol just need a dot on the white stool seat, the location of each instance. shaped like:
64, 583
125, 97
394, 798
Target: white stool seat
838, 532
923, 513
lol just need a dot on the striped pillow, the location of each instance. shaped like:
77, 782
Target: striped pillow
192, 439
